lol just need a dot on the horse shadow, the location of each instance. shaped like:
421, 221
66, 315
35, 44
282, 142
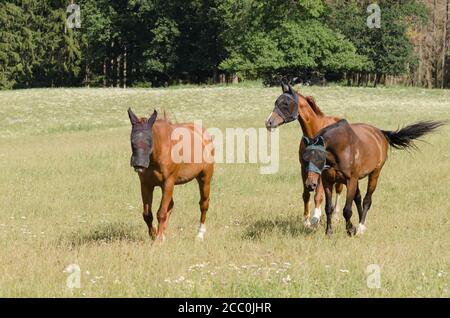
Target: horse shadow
104, 233
288, 226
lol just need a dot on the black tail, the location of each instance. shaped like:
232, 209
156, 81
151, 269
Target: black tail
404, 138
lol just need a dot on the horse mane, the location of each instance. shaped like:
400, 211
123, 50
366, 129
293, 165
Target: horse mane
143, 120
342, 122
166, 117
312, 102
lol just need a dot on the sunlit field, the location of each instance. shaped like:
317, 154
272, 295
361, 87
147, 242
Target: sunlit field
69, 196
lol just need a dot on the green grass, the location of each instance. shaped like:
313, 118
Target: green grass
69, 196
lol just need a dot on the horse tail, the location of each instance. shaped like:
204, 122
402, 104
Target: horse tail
404, 138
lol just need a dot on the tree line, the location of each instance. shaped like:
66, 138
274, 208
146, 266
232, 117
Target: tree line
125, 43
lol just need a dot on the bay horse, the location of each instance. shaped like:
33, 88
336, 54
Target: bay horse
154, 160
291, 106
345, 153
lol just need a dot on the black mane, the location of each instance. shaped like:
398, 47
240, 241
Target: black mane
340, 123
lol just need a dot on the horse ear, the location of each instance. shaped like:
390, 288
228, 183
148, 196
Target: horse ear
306, 140
152, 118
291, 90
133, 117
319, 141
284, 87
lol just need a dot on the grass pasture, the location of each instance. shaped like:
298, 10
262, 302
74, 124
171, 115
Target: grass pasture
68, 196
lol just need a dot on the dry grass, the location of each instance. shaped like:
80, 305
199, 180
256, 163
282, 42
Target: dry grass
69, 196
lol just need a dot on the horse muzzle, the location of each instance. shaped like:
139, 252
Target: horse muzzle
139, 169
273, 121
139, 163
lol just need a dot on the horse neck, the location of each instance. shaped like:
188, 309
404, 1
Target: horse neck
160, 132
310, 122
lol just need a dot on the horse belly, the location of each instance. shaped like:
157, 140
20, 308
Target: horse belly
187, 173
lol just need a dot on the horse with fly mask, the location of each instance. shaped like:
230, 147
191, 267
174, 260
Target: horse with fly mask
344, 153
291, 106
152, 145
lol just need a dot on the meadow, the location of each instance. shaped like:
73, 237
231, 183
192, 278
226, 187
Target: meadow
69, 196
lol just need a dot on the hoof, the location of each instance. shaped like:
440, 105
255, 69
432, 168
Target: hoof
360, 229
161, 238
201, 233
351, 231
307, 224
152, 233
315, 221
328, 232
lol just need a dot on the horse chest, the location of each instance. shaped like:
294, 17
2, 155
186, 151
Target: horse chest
335, 176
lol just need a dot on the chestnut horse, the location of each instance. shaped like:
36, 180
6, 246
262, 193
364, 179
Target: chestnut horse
291, 106
344, 153
153, 158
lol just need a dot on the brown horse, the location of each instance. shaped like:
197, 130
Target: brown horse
291, 106
344, 153
154, 159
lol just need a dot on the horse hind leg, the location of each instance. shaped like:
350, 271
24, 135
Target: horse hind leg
306, 196
204, 183
358, 201
371, 186
352, 186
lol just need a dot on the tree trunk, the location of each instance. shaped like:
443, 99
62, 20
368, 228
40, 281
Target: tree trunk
112, 66
125, 67
234, 78
444, 45
435, 66
421, 62
118, 70
104, 72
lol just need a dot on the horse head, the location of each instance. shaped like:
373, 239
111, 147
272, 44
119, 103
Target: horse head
314, 156
286, 108
141, 140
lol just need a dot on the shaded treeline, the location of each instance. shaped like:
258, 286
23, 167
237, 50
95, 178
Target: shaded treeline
155, 42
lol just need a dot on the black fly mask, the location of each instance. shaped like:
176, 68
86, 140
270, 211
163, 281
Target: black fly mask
315, 155
141, 140
286, 106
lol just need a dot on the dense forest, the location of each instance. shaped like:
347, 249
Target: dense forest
161, 42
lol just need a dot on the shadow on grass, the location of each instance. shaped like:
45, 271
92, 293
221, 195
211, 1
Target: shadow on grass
289, 225
103, 233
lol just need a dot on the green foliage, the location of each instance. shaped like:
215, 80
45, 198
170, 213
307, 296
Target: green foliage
295, 40
171, 41
161, 56
388, 49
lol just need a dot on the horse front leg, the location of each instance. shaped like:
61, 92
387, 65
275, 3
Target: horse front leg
318, 198
164, 208
147, 199
306, 196
338, 187
328, 188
